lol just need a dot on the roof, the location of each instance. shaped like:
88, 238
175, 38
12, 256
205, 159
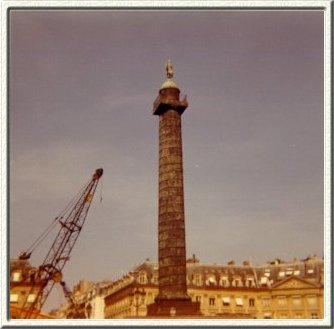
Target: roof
275, 272
19, 264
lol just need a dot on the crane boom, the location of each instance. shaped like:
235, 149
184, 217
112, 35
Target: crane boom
51, 269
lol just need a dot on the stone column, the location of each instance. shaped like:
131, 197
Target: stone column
172, 250
172, 298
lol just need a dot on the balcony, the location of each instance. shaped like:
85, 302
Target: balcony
162, 104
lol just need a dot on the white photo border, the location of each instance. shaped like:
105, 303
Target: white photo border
325, 6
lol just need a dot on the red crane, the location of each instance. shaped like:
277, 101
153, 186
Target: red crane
71, 221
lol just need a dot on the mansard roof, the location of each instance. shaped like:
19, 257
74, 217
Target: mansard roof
276, 271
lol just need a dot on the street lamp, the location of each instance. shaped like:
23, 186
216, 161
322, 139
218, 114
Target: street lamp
137, 294
88, 311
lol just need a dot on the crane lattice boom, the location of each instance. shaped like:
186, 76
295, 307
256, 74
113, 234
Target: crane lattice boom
71, 224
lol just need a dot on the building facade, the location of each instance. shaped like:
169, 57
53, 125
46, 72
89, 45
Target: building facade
24, 288
88, 302
276, 290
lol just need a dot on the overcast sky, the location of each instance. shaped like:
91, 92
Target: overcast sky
82, 84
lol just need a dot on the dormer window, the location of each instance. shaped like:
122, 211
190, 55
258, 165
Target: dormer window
237, 282
250, 282
155, 278
289, 271
16, 277
211, 281
197, 280
224, 282
264, 280
142, 277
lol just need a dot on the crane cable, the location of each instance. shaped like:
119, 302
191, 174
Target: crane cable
101, 188
53, 224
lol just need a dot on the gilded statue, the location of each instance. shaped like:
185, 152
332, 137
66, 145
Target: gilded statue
169, 69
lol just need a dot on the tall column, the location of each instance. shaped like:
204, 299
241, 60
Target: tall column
172, 250
172, 297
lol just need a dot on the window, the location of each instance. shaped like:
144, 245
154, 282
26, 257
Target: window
250, 282
224, 282
281, 274
266, 301
237, 283
14, 298
312, 301
282, 316
296, 301
264, 280
251, 302
16, 276
289, 271
314, 315
267, 316
226, 301
296, 272
211, 281
310, 271
198, 298
155, 278
197, 280
142, 277
239, 301
281, 301
31, 298
212, 301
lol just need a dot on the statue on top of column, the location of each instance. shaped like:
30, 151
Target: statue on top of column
169, 69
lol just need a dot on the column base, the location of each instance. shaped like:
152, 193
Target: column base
173, 307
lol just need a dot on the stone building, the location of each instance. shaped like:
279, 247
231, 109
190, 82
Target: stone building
276, 290
24, 288
88, 303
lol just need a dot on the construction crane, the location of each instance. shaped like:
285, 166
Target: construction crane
71, 221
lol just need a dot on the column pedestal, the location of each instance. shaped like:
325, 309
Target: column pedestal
173, 307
